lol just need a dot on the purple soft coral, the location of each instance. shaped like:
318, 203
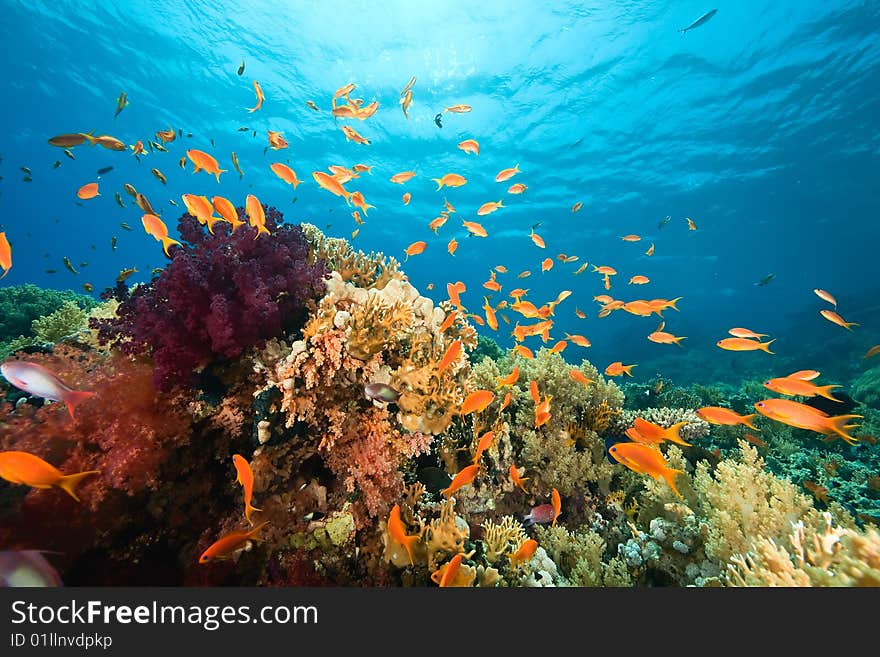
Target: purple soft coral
220, 295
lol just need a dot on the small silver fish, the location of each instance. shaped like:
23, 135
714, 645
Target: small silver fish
702, 20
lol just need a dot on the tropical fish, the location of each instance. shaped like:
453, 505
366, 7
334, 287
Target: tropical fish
483, 444
106, 141
353, 135
241, 68
203, 161
580, 377
69, 153
331, 185
639, 280
516, 478
651, 433
397, 531
258, 90
245, 477
463, 478
546, 264
537, 239
69, 265
121, 103
157, 229
277, 140
834, 318
452, 354
159, 175
470, 146
702, 20
746, 333
507, 174
691, 224
406, 198
237, 165
285, 173
38, 381
516, 188
873, 351
438, 119
30, 470
802, 416
766, 279
645, 459
415, 248
726, 416
402, 177
524, 554
744, 344
55, 165
452, 246
450, 180
381, 392
256, 215
617, 368
475, 229
524, 351
542, 412
488, 208
650, 250
663, 337
406, 102
227, 545
125, 274
88, 191
68, 140
448, 574
459, 109
166, 136
476, 402
794, 386
631, 238
311, 104
556, 503
577, 206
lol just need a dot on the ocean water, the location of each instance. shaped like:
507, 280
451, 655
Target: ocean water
761, 125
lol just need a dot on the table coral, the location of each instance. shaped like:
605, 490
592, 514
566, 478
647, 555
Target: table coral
220, 295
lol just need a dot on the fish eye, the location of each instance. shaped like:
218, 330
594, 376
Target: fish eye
760, 404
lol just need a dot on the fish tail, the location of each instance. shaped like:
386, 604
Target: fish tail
673, 433
848, 325
747, 420
409, 542
678, 340
218, 172
669, 477
248, 510
166, 242
89, 137
439, 183
838, 425
4, 274
252, 534
825, 391
672, 304
765, 346
69, 483
261, 230
73, 398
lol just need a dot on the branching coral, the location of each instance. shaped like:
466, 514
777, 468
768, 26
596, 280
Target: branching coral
20, 305
580, 556
220, 295
500, 537
69, 319
368, 271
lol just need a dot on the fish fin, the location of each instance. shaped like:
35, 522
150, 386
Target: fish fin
669, 477
73, 398
747, 420
765, 346
248, 510
838, 425
4, 274
848, 325
219, 171
166, 242
825, 391
673, 434
261, 230
252, 534
409, 542
69, 483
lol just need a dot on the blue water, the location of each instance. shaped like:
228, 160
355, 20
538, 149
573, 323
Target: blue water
761, 125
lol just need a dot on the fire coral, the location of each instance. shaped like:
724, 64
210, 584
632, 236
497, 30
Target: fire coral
220, 295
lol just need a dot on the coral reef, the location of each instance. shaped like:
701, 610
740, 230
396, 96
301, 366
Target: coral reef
866, 388
20, 305
220, 295
695, 428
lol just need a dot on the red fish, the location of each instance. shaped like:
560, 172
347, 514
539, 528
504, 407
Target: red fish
226, 546
38, 381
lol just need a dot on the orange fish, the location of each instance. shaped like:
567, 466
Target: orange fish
276, 140
650, 250
825, 296
819, 492
166, 135
726, 416
517, 479
447, 575
343, 91
463, 478
226, 546
605, 270
492, 284
361, 168
580, 313
744, 344
285, 173
449, 207
357, 218
6, 255
794, 386
245, 477
397, 531
746, 333
507, 174
516, 188
256, 215
449, 321
88, 191
556, 501
491, 320
524, 274
802, 416
752, 438
537, 239
358, 200
542, 412
533, 390
645, 459
654, 433
476, 402
406, 198
157, 229
631, 238
258, 90
501, 269
484, 443
470, 146
663, 337
226, 210
510, 379
873, 351
639, 280
353, 135
524, 554
452, 246
581, 269
30, 470
617, 368
450, 180
833, 317
580, 377
488, 208
199, 207
518, 292
546, 264
459, 109
452, 354
437, 222
559, 347
355, 233
475, 229
691, 224
204, 162
138, 148
524, 351
454, 290
402, 177
579, 340
577, 206
332, 185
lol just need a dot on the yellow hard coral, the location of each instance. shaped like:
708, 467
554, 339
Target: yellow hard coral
444, 536
502, 538
375, 325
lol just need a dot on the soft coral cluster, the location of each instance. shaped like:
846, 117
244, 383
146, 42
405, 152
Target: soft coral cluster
220, 295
